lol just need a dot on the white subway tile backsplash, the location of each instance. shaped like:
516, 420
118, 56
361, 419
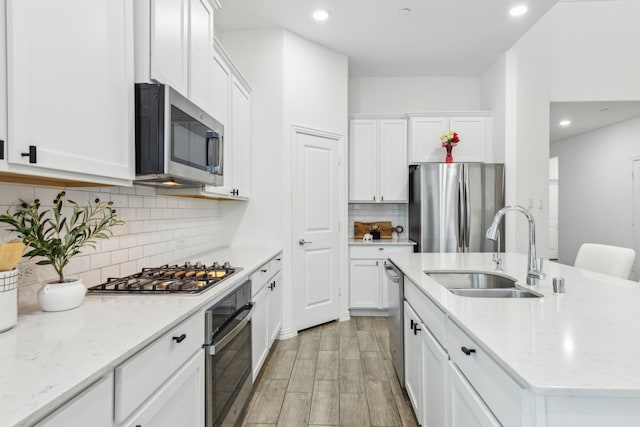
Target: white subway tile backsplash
149, 237
371, 212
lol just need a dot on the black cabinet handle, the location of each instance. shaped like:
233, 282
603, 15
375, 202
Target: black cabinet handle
411, 324
264, 270
180, 338
1, 149
278, 259
416, 329
468, 351
31, 154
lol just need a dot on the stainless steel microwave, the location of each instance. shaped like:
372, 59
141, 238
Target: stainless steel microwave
177, 144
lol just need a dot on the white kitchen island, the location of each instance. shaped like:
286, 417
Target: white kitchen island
558, 360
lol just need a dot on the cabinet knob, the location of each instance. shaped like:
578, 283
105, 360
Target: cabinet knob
31, 154
180, 338
468, 351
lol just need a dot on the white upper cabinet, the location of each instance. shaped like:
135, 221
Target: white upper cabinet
70, 90
221, 89
169, 32
474, 132
240, 140
378, 160
201, 59
174, 46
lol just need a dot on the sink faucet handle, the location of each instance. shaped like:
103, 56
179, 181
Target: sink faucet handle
540, 263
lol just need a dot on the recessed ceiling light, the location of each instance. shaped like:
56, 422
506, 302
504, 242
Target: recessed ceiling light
405, 11
320, 15
518, 10
565, 123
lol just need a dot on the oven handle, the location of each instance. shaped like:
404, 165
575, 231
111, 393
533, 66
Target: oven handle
220, 344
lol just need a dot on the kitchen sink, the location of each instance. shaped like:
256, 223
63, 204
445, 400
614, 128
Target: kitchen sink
471, 279
495, 293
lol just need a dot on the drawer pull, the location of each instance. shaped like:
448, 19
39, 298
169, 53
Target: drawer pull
411, 323
278, 259
468, 351
416, 329
180, 338
264, 270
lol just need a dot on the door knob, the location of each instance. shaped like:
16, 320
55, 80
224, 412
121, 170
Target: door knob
302, 242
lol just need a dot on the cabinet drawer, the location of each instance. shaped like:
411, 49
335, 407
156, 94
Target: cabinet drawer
276, 264
140, 376
433, 318
378, 250
497, 389
260, 276
93, 407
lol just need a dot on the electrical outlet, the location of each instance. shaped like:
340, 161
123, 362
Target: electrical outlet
25, 271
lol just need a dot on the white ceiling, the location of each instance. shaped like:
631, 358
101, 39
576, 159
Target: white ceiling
588, 116
438, 38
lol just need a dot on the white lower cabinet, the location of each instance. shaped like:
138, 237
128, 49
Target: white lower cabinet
425, 371
413, 380
179, 402
170, 363
368, 285
259, 331
93, 407
467, 409
266, 294
275, 307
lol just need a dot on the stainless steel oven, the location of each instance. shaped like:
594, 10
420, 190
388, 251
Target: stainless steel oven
228, 358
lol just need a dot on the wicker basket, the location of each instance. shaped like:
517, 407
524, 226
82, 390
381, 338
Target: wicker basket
8, 299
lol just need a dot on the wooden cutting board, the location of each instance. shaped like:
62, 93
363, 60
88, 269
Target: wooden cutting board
362, 228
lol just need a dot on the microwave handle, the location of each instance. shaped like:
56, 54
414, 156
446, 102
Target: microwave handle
214, 153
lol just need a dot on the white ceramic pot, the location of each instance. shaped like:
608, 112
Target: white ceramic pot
8, 299
62, 296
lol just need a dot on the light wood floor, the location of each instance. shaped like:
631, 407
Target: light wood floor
337, 374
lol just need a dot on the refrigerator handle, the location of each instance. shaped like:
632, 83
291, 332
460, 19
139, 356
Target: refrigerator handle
461, 212
467, 209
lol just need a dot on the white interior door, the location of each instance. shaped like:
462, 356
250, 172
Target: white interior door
315, 227
636, 216
553, 208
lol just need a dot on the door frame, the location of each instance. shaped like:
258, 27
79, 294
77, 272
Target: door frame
291, 244
635, 180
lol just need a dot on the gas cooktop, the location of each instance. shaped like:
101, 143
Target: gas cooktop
168, 279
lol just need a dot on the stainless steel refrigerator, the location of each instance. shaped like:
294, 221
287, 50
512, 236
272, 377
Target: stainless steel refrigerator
452, 205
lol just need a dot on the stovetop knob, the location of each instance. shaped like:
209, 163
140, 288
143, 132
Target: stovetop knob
215, 265
187, 264
226, 265
198, 264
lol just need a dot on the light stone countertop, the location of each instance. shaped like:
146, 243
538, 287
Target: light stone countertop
583, 343
400, 242
47, 358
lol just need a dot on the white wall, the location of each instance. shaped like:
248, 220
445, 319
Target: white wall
577, 51
157, 230
595, 51
595, 184
380, 95
493, 98
259, 55
294, 81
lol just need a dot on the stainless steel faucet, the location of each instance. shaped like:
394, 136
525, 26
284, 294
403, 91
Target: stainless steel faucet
497, 257
534, 266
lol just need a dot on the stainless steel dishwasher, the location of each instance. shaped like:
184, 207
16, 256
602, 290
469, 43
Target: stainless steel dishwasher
396, 313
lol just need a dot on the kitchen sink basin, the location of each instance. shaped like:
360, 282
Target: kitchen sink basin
471, 280
495, 293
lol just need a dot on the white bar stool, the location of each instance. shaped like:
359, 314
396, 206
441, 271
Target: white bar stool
605, 259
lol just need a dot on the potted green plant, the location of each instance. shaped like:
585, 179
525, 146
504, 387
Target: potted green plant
57, 235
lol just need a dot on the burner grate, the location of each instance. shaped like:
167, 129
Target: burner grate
168, 279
